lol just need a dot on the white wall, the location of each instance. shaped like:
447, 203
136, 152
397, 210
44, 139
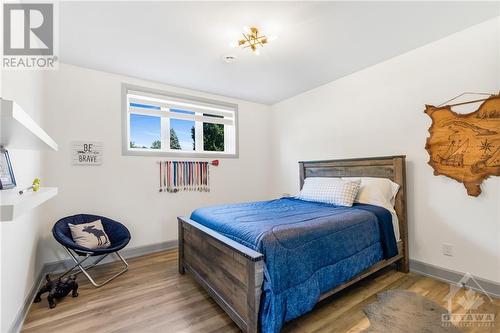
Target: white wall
379, 111
19, 256
84, 104
74, 103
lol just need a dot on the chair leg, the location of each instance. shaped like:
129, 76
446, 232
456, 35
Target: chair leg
84, 269
75, 266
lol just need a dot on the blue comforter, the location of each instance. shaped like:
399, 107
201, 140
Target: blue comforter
309, 248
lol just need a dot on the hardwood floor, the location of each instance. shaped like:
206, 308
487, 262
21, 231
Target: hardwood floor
153, 297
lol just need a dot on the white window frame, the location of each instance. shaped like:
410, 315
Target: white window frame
168, 100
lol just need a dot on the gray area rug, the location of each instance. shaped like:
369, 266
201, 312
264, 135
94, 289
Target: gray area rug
401, 311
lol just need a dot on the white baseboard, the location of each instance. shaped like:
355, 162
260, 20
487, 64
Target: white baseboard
450, 276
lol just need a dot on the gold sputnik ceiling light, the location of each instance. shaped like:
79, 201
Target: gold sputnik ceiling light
253, 39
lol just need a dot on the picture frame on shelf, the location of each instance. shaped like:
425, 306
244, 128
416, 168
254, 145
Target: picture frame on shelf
7, 179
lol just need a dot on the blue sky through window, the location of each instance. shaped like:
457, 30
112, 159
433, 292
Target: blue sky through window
144, 130
182, 128
144, 106
182, 111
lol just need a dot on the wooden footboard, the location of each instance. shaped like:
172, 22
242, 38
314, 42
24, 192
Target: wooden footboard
230, 272
233, 274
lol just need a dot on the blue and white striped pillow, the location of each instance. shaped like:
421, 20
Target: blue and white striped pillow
329, 190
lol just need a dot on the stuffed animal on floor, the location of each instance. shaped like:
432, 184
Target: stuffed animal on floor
57, 289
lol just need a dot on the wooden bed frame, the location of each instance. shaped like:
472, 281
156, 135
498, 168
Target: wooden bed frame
233, 274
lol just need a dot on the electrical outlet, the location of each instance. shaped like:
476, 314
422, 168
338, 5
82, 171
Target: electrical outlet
447, 249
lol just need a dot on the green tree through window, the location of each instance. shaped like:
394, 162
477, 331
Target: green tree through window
213, 137
174, 140
193, 137
156, 144
133, 145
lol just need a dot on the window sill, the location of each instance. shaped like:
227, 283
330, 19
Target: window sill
128, 152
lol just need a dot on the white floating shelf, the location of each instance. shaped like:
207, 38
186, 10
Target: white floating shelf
13, 204
19, 131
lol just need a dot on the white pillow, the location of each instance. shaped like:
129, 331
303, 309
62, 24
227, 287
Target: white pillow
379, 192
90, 235
329, 190
375, 191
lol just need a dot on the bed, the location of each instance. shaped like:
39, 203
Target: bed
235, 256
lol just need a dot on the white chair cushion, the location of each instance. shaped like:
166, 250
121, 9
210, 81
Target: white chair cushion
90, 235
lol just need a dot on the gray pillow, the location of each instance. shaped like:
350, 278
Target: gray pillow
90, 235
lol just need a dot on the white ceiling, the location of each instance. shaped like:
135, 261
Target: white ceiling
182, 44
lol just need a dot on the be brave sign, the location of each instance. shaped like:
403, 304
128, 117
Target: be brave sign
87, 153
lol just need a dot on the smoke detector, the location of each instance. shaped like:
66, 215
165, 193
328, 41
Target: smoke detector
229, 58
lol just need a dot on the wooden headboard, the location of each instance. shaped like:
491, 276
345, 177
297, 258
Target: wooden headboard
392, 167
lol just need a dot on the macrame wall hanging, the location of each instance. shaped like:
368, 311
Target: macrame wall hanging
178, 176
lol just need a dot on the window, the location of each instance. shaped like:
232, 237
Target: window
166, 124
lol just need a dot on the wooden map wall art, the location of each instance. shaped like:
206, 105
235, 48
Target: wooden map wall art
465, 147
